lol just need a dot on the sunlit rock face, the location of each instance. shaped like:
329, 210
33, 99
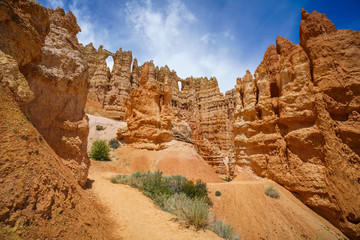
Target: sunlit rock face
59, 83
37, 190
200, 113
297, 119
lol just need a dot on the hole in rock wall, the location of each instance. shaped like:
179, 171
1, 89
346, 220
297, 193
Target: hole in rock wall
110, 62
274, 90
180, 85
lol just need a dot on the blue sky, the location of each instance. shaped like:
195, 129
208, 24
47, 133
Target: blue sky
221, 38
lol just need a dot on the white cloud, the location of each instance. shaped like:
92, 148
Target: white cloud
56, 3
170, 36
89, 31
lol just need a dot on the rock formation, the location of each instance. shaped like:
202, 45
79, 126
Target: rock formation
59, 83
200, 113
148, 116
109, 91
297, 121
40, 196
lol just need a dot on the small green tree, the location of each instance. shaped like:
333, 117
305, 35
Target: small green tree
100, 151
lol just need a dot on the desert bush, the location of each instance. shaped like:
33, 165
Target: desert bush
176, 183
223, 230
120, 179
100, 151
197, 190
272, 192
114, 143
189, 211
99, 127
176, 194
218, 193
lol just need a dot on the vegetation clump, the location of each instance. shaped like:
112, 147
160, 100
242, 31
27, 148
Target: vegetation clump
99, 127
100, 151
114, 144
189, 211
272, 192
218, 193
223, 230
186, 199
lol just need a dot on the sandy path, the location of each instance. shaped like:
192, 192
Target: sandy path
136, 215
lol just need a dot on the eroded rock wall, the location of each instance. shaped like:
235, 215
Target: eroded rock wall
40, 196
59, 83
200, 113
297, 120
148, 113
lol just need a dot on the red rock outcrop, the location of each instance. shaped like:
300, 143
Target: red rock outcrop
40, 197
297, 122
23, 28
148, 114
208, 113
200, 113
59, 83
99, 72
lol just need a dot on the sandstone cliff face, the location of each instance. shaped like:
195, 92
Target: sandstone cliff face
23, 27
99, 72
200, 113
40, 197
59, 84
109, 91
148, 116
297, 120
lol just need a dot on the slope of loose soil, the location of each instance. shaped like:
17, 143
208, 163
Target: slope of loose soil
111, 126
40, 198
178, 158
244, 205
174, 157
136, 216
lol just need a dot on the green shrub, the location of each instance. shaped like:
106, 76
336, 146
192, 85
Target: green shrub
120, 179
114, 143
100, 151
189, 201
272, 192
223, 230
99, 127
176, 183
197, 190
218, 193
189, 211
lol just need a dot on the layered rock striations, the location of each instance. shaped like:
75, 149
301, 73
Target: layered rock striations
297, 119
148, 114
59, 83
200, 113
110, 90
40, 196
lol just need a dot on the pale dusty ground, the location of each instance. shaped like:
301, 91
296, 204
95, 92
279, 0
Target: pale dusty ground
242, 203
111, 127
135, 215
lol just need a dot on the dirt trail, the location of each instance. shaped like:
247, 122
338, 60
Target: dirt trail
242, 203
136, 215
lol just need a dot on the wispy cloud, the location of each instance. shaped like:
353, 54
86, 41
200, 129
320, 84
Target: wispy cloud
172, 36
192, 38
56, 3
90, 31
